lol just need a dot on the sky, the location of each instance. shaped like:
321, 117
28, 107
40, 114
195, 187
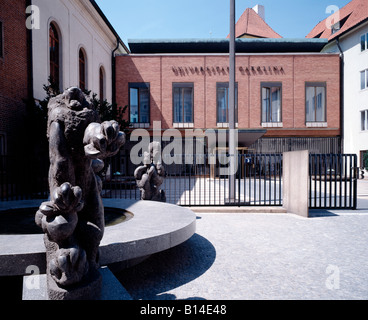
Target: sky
204, 19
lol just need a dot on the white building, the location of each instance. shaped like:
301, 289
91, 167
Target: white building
347, 31
75, 44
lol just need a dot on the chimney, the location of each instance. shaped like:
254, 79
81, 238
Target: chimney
260, 10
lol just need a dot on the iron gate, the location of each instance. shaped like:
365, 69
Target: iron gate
333, 181
198, 180
258, 182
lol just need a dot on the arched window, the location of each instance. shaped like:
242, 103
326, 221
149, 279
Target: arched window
54, 48
82, 70
102, 84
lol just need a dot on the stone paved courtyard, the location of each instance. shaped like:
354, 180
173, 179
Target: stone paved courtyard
262, 256
258, 256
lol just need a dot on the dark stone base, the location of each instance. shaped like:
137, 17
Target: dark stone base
88, 289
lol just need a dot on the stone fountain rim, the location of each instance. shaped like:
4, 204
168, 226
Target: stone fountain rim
155, 227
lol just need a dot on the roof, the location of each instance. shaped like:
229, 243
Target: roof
350, 16
109, 25
251, 24
244, 45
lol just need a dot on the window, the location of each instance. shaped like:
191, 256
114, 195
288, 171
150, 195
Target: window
335, 27
363, 120
338, 25
223, 102
364, 42
1, 40
54, 47
183, 102
271, 102
139, 102
364, 79
315, 102
102, 83
82, 70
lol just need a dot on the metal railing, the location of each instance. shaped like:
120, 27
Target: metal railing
333, 181
199, 180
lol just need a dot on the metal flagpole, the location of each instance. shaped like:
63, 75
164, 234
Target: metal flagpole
232, 132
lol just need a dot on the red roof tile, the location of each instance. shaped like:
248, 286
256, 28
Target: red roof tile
250, 23
349, 16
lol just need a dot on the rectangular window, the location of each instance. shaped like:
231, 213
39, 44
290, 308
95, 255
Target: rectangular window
271, 102
139, 102
363, 120
315, 102
363, 42
223, 102
1, 40
364, 79
183, 102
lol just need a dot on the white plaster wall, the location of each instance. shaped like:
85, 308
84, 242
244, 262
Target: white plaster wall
80, 26
355, 99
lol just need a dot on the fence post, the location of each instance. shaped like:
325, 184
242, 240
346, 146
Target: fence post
295, 182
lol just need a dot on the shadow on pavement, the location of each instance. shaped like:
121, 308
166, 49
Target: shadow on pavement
318, 213
168, 270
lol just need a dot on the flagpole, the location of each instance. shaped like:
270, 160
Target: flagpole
232, 139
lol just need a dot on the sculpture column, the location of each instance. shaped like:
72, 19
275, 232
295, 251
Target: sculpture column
73, 219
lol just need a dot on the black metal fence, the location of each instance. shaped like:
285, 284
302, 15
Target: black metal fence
202, 180
199, 181
333, 181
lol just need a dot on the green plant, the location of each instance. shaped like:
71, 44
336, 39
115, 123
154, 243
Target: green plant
36, 116
108, 111
365, 160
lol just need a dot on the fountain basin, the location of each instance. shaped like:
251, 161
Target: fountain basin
152, 227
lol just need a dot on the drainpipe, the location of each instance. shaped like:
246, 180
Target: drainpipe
30, 58
113, 71
342, 95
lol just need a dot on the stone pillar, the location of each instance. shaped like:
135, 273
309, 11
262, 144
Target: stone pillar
295, 182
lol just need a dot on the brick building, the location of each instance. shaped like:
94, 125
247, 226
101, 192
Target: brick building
286, 90
40, 40
70, 41
15, 79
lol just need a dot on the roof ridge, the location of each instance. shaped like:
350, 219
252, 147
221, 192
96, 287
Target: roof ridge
267, 23
246, 29
251, 23
356, 12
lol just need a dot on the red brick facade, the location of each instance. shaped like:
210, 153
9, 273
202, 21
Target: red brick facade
292, 70
13, 70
